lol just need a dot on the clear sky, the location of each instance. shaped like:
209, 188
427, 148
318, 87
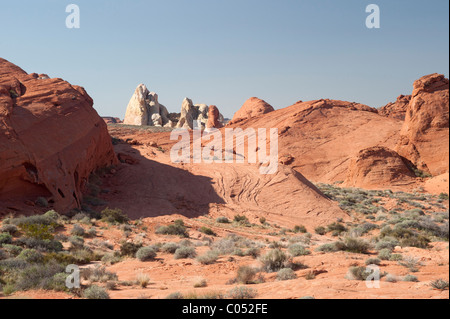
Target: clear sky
224, 51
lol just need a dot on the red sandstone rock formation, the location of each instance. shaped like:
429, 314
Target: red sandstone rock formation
424, 138
51, 139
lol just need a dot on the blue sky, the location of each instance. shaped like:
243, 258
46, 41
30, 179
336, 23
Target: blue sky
224, 51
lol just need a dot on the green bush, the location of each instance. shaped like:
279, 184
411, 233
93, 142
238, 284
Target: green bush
439, 284
355, 245
146, 254
31, 256
246, 274
169, 248
286, 274
274, 260
185, 252
95, 292
208, 258
320, 230
5, 238
298, 250
114, 216
410, 278
373, 261
10, 229
207, 231
129, 249
242, 293
77, 230
177, 228
222, 220
359, 273
300, 229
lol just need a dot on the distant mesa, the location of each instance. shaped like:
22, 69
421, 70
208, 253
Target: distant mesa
253, 107
111, 120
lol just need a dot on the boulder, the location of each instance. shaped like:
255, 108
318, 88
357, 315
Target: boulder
213, 118
253, 107
377, 167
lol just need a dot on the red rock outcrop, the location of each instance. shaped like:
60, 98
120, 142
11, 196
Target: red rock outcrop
424, 138
253, 107
397, 109
377, 166
322, 136
51, 139
213, 118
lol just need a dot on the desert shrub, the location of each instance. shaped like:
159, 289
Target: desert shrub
111, 258
12, 250
336, 228
31, 256
207, 231
391, 278
310, 275
9, 228
201, 284
44, 245
241, 219
373, 261
359, 273
37, 276
169, 248
298, 250
175, 296
410, 278
77, 230
224, 246
95, 292
143, 280
286, 274
387, 243
439, 284
185, 252
3, 254
253, 252
5, 238
114, 216
246, 274
384, 254
76, 242
91, 232
98, 274
354, 245
320, 230
300, 229
396, 257
274, 260
443, 196
208, 258
242, 293
177, 228
58, 282
411, 263
222, 220
146, 254
129, 249
327, 248
35, 220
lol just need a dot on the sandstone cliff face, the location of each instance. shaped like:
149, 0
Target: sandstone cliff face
377, 166
424, 138
51, 139
145, 109
397, 109
253, 107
